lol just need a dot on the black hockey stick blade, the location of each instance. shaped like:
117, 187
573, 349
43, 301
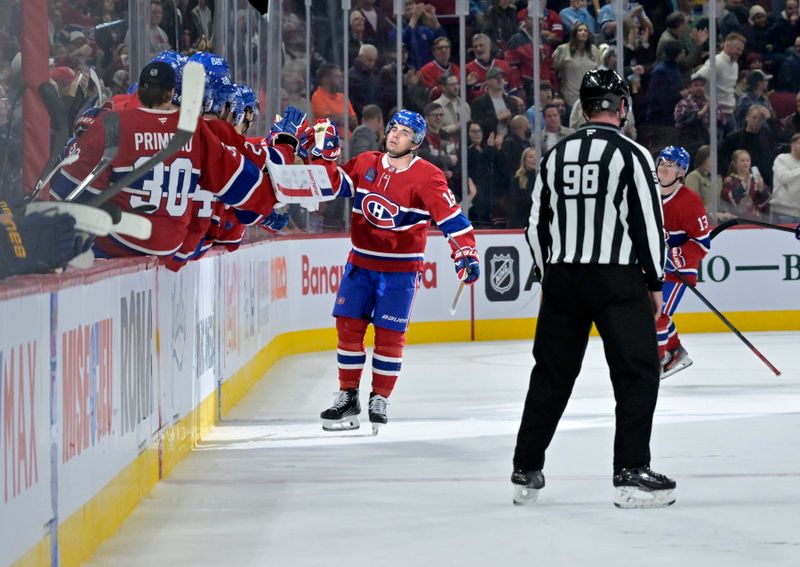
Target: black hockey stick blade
728, 324
193, 87
261, 5
733, 222
110, 149
52, 103
45, 179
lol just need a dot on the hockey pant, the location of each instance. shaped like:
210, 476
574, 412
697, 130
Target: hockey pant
665, 327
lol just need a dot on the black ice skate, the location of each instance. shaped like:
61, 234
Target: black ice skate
377, 411
527, 485
674, 361
343, 414
641, 487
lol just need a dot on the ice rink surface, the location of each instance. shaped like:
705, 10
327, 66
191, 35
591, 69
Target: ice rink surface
269, 487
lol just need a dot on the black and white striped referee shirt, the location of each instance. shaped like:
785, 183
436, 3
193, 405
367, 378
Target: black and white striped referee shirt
596, 201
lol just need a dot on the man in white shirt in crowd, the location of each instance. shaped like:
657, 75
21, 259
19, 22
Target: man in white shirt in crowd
727, 76
554, 132
785, 200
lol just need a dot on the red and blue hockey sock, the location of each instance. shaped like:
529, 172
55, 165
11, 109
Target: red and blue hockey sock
387, 359
351, 354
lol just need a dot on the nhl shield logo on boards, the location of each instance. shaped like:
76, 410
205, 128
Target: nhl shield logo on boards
502, 283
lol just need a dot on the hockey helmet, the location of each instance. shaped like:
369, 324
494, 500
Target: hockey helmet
249, 96
177, 62
602, 90
411, 119
675, 154
219, 91
214, 65
238, 107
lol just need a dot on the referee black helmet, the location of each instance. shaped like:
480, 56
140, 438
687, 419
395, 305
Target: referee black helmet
602, 90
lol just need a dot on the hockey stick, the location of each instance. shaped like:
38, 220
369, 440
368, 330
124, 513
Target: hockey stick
193, 88
725, 320
110, 149
45, 179
733, 222
460, 290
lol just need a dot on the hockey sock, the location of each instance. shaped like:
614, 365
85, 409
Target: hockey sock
386, 360
351, 353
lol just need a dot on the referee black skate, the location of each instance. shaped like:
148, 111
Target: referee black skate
596, 235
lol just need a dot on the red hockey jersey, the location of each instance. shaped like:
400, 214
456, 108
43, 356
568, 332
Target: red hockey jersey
170, 186
686, 225
393, 208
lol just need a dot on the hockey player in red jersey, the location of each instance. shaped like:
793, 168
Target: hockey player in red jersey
169, 187
688, 241
396, 195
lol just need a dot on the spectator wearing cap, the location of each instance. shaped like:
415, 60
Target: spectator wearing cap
760, 33
573, 59
500, 22
478, 68
757, 86
454, 108
692, 116
494, 109
432, 71
790, 69
577, 13
727, 72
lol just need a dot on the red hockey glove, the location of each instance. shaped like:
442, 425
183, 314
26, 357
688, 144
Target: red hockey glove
675, 259
326, 140
468, 265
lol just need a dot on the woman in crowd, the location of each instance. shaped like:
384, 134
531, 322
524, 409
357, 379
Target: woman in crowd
573, 59
521, 189
481, 158
744, 192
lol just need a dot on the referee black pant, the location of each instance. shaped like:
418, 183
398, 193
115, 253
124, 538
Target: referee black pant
616, 299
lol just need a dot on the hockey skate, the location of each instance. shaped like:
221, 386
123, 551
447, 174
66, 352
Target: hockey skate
343, 414
675, 360
527, 485
641, 487
377, 411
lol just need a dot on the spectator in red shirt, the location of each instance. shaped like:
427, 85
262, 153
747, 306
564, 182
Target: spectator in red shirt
432, 71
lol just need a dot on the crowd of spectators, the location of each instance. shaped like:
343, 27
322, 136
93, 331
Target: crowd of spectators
665, 59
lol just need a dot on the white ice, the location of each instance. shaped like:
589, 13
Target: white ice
269, 487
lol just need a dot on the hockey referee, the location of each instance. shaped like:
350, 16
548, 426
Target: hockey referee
596, 234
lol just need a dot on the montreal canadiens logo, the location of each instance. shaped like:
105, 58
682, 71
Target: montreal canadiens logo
379, 210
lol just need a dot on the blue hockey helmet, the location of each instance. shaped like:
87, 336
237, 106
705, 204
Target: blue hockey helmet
86, 119
214, 65
677, 155
238, 107
177, 62
219, 91
133, 88
411, 119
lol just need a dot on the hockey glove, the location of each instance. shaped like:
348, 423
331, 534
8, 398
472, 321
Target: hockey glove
290, 128
326, 140
467, 265
39, 243
675, 259
274, 222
